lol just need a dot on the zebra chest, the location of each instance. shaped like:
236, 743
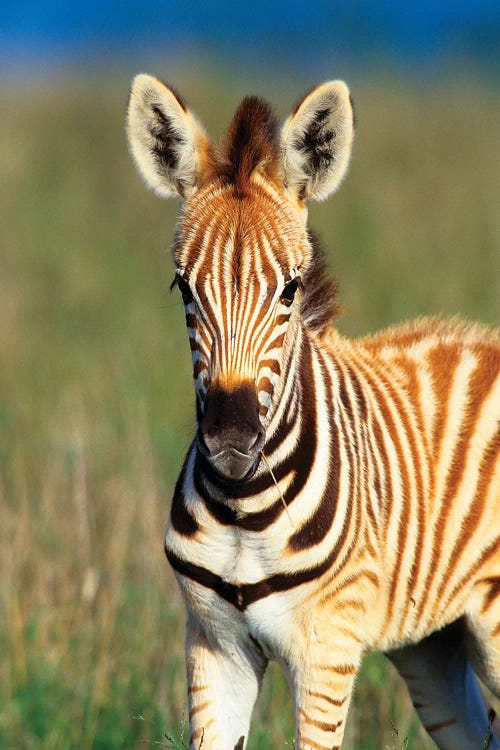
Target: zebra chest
228, 580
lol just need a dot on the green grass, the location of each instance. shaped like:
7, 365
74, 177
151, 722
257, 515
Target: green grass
96, 405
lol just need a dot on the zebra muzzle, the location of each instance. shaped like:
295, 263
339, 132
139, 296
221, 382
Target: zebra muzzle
231, 436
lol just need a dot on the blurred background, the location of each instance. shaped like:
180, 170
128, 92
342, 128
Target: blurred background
96, 405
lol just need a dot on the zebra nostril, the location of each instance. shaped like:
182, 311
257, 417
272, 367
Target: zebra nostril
258, 443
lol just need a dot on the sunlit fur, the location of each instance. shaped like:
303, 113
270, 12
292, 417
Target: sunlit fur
385, 452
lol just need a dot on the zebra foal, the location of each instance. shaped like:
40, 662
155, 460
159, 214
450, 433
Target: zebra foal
339, 496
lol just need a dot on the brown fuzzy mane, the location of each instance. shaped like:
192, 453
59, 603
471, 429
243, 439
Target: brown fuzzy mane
320, 296
251, 142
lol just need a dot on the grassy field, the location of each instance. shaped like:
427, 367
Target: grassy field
96, 405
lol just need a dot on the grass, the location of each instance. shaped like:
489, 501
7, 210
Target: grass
96, 407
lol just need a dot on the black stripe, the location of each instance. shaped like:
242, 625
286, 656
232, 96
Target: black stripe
182, 521
314, 530
243, 596
206, 578
354, 461
218, 510
286, 424
362, 408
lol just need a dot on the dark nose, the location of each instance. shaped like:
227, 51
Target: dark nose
231, 420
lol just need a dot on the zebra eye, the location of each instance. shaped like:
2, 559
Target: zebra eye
289, 291
187, 295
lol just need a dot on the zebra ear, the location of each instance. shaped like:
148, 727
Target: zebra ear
169, 146
316, 142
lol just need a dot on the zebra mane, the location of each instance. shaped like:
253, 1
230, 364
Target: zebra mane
320, 303
251, 142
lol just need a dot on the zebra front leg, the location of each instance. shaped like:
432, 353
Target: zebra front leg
322, 687
223, 684
444, 690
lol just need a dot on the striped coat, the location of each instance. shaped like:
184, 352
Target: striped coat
339, 496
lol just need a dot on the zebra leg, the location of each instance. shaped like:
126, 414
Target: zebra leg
322, 686
223, 684
483, 622
444, 690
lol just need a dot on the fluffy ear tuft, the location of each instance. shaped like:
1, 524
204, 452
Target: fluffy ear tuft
316, 142
169, 146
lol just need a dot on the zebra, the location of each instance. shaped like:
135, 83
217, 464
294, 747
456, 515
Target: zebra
339, 496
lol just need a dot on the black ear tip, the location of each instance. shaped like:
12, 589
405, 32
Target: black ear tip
354, 115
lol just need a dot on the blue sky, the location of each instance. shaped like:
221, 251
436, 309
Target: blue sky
261, 30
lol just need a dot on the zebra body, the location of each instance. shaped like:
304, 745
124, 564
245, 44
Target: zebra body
248, 537
339, 496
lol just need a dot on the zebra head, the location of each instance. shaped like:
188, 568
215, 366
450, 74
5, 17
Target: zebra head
243, 256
